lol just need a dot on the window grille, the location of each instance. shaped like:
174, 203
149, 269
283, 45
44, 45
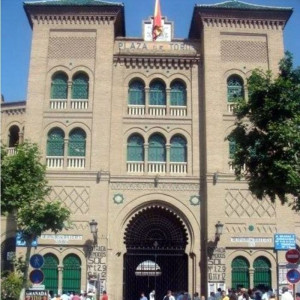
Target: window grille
262, 272
235, 88
157, 94
178, 94
178, 149
240, 273
72, 273
135, 148
157, 148
136, 93
55, 142
80, 86
77, 142
59, 86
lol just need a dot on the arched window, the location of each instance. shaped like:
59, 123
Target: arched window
135, 148
178, 151
157, 93
178, 94
136, 93
50, 270
77, 141
59, 86
13, 139
240, 272
157, 148
72, 273
235, 88
80, 86
55, 142
262, 272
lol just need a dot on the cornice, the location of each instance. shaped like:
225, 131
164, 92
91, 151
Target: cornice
157, 62
72, 19
242, 23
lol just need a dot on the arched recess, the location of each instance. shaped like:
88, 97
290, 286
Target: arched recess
136, 92
235, 88
50, 270
157, 92
240, 273
59, 86
178, 93
155, 236
157, 148
13, 136
178, 149
262, 272
72, 273
135, 148
80, 86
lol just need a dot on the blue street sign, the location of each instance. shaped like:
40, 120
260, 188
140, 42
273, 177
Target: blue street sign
284, 241
20, 242
36, 276
36, 261
293, 276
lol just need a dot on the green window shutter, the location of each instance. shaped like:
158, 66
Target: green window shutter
232, 149
157, 148
178, 94
178, 149
262, 272
59, 86
50, 270
136, 93
157, 94
235, 88
240, 273
80, 86
72, 273
77, 141
135, 148
55, 142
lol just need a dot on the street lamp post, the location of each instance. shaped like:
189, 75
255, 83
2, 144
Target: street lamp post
94, 230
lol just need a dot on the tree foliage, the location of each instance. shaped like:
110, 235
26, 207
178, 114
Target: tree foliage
267, 134
24, 191
11, 286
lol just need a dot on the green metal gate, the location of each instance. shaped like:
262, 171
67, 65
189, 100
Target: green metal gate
72, 273
50, 270
262, 272
240, 273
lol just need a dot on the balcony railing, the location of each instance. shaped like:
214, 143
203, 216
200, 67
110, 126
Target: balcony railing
136, 110
11, 151
58, 103
231, 106
79, 104
157, 167
231, 168
55, 162
178, 167
178, 111
135, 167
157, 110
76, 162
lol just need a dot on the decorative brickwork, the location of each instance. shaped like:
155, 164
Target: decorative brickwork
75, 198
266, 228
236, 228
150, 186
72, 47
242, 204
244, 51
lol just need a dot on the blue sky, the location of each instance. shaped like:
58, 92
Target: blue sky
16, 34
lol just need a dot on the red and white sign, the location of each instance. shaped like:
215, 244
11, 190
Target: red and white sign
292, 256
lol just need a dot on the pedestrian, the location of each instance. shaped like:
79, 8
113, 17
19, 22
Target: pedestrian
169, 296
196, 296
297, 296
143, 297
152, 295
286, 295
218, 294
76, 296
224, 296
104, 296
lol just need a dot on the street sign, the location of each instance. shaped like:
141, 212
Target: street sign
36, 261
293, 276
284, 241
292, 256
36, 276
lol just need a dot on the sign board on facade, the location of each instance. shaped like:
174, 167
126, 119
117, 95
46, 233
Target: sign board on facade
36, 276
292, 256
34, 294
216, 265
284, 241
61, 238
20, 242
293, 276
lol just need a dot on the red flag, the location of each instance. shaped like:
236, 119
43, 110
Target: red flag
157, 23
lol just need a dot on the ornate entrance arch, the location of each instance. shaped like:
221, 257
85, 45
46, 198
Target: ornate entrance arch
155, 240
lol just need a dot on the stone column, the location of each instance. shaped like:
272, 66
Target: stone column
147, 99
66, 143
69, 97
146, 151
251, 277
168, 101
60, 278
168, 156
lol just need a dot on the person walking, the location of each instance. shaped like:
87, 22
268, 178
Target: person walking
104, 296
286, 295
169, 296
152, 295
143, 297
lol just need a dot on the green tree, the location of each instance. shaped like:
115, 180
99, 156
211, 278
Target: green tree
267, 134
24, 190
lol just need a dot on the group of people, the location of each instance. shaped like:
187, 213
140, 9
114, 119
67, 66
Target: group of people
171, 296
250, 294
78, 296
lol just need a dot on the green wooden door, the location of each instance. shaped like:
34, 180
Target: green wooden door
72, 273
50, 270
262, 272
240, 273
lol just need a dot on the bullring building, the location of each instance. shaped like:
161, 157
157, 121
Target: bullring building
132, 132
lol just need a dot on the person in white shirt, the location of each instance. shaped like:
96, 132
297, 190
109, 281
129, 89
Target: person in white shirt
152, 295
286, 295
169, 296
